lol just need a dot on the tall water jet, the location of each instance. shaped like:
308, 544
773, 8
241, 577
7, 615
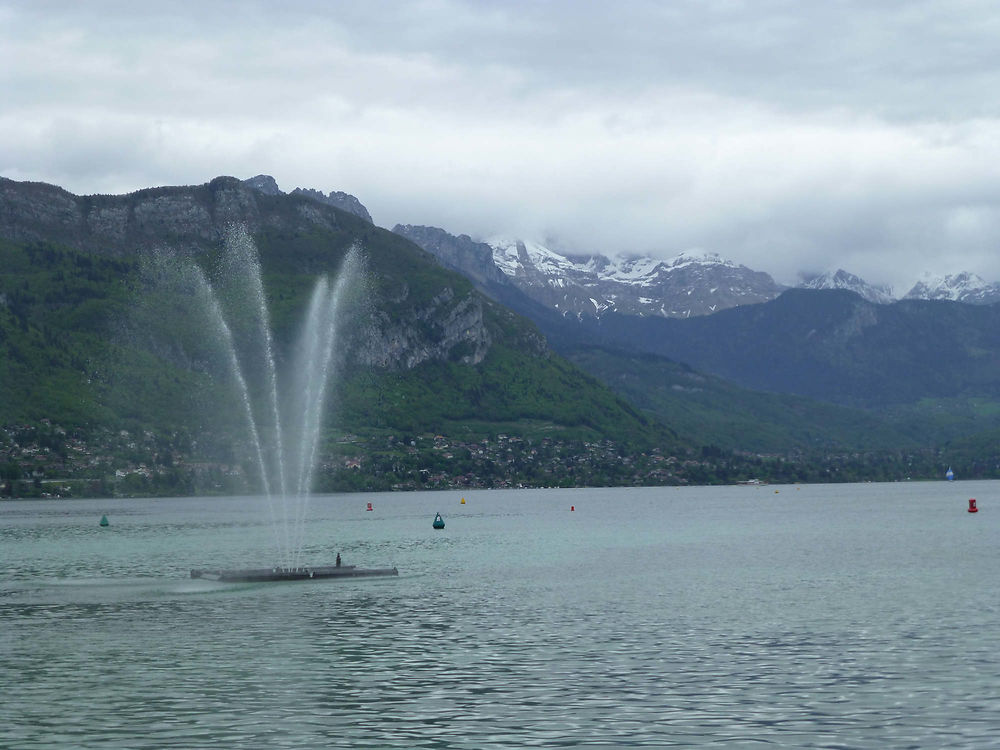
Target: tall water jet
281, 408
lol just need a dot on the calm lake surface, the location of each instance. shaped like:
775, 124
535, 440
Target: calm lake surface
836, 616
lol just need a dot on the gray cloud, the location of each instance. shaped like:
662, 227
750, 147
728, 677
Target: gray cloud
784, 135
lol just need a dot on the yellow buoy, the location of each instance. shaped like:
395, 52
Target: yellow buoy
463, 501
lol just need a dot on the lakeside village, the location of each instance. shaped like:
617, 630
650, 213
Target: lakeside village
46, 461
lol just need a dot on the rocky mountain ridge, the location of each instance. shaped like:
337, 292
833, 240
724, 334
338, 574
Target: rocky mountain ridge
266, 184
461, 253
841, 279
960, 287
690, 284
445, 320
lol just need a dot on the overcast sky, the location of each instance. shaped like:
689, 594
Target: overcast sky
785, 135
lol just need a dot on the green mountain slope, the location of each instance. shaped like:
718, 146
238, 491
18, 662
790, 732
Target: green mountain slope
711, 410
81, 347
107, 380
833, 346
54, 331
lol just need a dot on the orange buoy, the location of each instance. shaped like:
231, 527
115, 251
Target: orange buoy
972, 505
369, 507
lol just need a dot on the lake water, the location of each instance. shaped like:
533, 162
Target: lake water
838, 616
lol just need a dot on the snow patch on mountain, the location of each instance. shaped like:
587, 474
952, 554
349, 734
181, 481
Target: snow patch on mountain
694, 282
700, 258
841, 279
964, 287
514, 257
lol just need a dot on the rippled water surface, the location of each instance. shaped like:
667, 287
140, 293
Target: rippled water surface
842, 616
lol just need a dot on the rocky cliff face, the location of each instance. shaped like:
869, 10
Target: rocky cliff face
266, 184
186, 218
461, 253
337, 199
447, 328
439, 323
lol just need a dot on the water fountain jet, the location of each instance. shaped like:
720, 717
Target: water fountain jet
282, 416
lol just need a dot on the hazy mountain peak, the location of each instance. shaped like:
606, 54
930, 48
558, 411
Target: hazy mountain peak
337, 199
695, 282
515, 256
965, 286
841, 279
626, 268
264, 183
697, 256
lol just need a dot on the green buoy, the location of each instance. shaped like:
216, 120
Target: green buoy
438, 522
104, 521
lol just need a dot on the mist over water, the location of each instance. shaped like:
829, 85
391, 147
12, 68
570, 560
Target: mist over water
220, 324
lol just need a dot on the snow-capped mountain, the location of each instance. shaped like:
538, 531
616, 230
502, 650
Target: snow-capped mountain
960, 287
841, 279
692, 283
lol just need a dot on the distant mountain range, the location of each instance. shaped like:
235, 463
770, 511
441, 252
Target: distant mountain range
692, 283
960, 287
716, 352
837, 339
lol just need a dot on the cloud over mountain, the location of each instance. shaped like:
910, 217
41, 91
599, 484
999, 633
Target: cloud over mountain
786, 137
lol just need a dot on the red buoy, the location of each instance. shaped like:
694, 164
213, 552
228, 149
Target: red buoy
572, 507
369, 507
972, 505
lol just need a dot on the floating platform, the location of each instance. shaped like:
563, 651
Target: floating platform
259, 575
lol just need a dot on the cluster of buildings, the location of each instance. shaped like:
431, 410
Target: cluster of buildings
501, 461
45, 460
